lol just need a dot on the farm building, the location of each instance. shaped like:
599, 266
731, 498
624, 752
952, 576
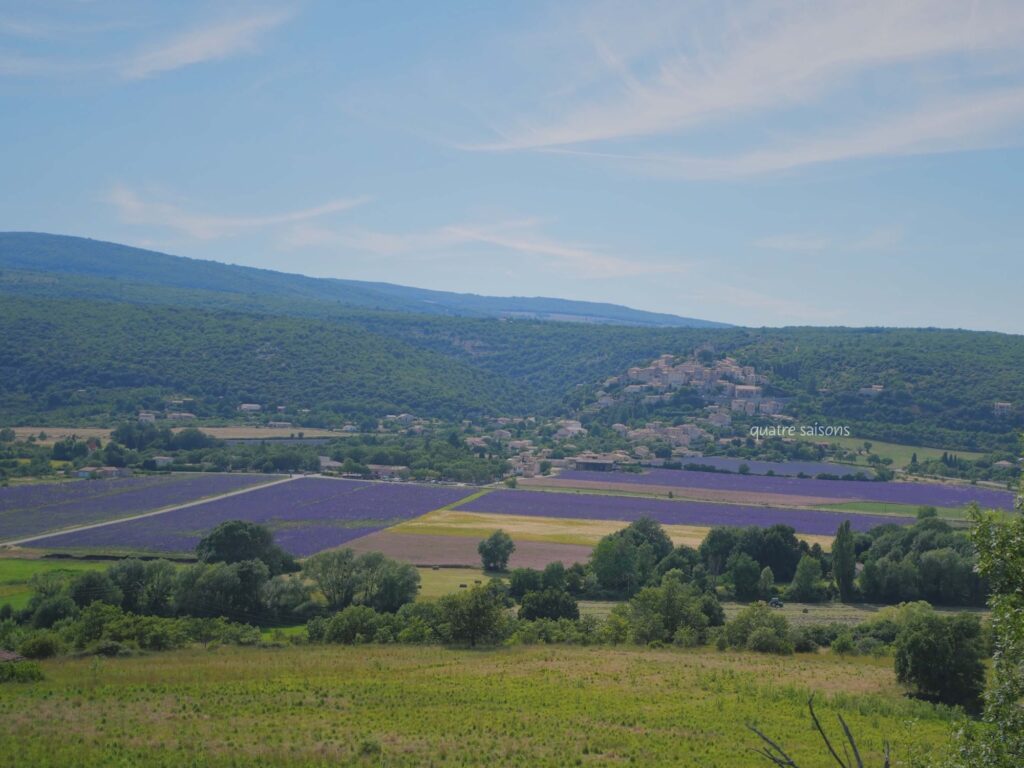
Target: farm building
103, 472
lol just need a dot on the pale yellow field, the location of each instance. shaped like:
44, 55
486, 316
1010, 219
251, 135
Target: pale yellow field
54, 434
442, 581
446, 522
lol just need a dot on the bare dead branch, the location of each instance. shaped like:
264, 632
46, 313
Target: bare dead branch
824, 736
773, 751
853, 743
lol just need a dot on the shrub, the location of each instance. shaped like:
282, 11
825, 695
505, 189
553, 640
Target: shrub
355, 624
823, 635
20, 672
316, 629
843, 644
549, 604
40, 645
802, 641
686, 637
51, 610
755, 617
523, 580
92, 586
766, 639
108, 647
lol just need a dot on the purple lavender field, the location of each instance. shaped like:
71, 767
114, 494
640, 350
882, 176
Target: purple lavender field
26, 510
778, 467
930, 494
586, 506
307, 515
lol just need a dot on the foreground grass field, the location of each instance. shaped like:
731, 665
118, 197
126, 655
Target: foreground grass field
408, 706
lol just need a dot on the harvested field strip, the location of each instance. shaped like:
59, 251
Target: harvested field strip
462, 550
478, 525
555, 485
438, 582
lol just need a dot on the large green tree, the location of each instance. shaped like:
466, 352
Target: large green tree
999, 741
941, 658
806, 584
235, 541
473, 617
495, 551
844, 562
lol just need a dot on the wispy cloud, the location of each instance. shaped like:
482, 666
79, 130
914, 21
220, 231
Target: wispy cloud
707, 67
210, 42
877, 240
134, 208
520, 237
973, 122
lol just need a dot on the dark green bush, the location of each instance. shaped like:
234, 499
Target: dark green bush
20, 672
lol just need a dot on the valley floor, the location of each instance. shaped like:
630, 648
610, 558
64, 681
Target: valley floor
401, 705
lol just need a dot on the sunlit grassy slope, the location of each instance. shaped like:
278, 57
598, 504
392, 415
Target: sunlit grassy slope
409, 706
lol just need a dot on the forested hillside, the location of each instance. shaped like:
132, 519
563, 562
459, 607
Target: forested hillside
93, 331
75, 360
59, 266
940, 385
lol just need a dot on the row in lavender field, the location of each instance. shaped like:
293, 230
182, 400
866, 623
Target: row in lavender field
585, 506
307, 515
26, 510
930, 494
778, 467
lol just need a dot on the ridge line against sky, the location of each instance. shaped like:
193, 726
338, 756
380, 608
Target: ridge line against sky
763, 163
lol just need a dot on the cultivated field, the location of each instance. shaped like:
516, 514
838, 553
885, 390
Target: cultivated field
307, 515
462, 550
411, 706
435, 583
590, 506
556, 530
56, 434
29, 510
900, 454
774, 489
790, 468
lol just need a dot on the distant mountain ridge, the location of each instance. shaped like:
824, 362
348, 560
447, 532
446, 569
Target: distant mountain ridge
33, 263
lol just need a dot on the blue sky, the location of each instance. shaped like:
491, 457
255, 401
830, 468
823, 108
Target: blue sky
826, 163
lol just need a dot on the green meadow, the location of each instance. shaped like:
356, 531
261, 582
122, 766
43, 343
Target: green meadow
15, 574
900, 454
415, 706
